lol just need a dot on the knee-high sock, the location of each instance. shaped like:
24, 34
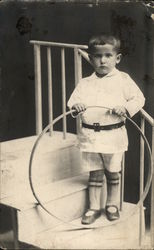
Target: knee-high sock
95, 188
112, 188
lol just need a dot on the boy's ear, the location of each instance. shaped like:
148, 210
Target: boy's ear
119, 56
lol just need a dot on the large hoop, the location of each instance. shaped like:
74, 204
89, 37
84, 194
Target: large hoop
143, 196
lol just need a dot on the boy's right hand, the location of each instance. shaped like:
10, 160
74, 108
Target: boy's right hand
79, 107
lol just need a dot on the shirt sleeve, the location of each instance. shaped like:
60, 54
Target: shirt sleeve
134, 97
76, 96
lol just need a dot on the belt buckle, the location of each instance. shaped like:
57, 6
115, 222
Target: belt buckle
97, 127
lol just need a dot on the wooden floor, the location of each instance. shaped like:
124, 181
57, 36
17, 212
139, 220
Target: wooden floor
122, 234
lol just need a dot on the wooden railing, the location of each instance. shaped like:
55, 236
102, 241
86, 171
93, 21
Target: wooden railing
38, 86
145, 117
79, 53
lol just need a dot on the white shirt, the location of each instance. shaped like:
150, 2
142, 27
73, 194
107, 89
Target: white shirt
114, 89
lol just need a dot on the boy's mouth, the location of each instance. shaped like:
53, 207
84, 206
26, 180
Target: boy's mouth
103, 67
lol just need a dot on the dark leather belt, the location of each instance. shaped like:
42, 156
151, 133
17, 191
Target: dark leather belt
97, 127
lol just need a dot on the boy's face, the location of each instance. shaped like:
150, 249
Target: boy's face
104, 58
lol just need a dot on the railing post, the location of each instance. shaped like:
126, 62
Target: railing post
63, 91
15, 227
78, 76
122, 182
152, 194
38, 90
141, 180
50, 99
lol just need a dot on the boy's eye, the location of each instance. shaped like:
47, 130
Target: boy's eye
108, 55
100, 55
97, 55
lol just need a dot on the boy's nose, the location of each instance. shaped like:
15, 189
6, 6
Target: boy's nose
102, 59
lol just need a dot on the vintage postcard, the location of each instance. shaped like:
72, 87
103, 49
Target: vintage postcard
77, 124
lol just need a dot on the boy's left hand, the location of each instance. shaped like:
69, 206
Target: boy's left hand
119, 110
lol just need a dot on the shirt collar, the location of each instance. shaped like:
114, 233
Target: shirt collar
112, 73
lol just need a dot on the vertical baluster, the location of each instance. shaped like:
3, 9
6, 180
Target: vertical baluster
15, 227
50, 101
141, 180
152, 193
38, 90
78, 66
78, 76
63, 91
122, 182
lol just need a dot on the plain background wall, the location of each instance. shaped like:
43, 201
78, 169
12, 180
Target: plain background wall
22, 21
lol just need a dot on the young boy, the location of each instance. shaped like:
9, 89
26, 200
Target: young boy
103, 135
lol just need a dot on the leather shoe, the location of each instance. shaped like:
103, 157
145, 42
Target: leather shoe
90, 216
112, 215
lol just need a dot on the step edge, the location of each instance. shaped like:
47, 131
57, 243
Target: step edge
6, 201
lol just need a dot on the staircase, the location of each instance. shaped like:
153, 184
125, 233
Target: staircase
61, 184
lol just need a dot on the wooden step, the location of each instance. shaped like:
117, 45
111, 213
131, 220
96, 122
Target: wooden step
55, 197
24, 199
35, 220
55, 159
121, 234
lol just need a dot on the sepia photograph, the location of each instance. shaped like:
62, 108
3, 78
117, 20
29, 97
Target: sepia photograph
76, 124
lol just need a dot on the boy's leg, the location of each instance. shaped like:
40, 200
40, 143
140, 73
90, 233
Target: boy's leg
113, 166
95, 188
112, 188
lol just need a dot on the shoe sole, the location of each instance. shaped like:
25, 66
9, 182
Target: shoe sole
94, 219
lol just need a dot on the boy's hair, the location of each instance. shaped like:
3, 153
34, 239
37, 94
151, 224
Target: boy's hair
102, 40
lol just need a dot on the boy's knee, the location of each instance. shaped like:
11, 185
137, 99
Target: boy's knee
96, 175
112, 177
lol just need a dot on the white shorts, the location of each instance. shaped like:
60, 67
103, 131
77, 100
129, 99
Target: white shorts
96, 161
